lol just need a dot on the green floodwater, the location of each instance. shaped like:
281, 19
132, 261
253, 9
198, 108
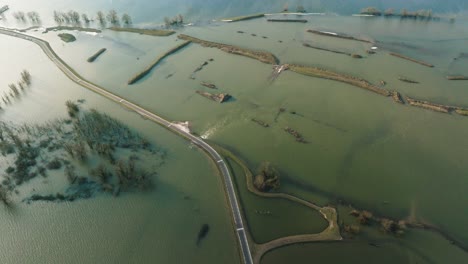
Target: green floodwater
159, 226
364, 149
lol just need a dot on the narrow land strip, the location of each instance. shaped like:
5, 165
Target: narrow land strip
148, 69
96, 55
241, 18
263, 56
149, 32
337, 35
411, 59
328, 74
331, 233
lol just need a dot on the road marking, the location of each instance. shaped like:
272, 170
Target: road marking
239, 229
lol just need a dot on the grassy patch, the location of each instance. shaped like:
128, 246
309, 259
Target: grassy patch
66, 37
149, 32
240, 18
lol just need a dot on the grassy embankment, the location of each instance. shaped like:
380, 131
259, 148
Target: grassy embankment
353, 55
457, 78
411, 59
148, 69
241, 18
149, 32
331, 233
96, 55
263, 56
327, 74
59, 28
358, 82
288, 20
338, 35
447, 109
67, 37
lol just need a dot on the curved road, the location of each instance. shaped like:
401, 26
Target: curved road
75, 77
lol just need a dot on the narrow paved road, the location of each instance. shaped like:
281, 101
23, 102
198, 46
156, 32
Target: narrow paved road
223, 169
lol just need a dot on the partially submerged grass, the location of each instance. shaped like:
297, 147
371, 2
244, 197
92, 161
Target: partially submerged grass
263, 56
148, 69
149, 32
67, 37
88, 138
241, 18
328, 74
58, 28
96, 55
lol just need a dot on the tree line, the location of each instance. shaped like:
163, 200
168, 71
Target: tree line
404, 13
16, 89
74, 18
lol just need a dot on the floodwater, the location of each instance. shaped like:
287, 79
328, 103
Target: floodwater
363, 149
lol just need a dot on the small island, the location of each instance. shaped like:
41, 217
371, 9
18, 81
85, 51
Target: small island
66, 37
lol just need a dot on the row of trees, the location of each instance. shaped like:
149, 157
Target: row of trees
33, 17
422, 14
299, 8
175, 21
15, 89
113, 18
73, 17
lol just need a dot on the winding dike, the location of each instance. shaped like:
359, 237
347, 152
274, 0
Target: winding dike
142, 74
337, 35
331, 233
411, 59
263, 56
327, 74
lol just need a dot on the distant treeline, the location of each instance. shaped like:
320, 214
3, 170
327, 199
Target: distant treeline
420, 14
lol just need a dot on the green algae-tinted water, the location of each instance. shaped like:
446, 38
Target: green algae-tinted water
364, 148
159, 226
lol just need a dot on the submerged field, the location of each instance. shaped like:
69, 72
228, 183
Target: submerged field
363, 150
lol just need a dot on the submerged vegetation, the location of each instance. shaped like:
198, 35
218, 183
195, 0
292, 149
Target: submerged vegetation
17, 89
91, 150
267, 178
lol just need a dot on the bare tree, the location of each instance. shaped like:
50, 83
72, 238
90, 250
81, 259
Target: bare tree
101, 18
85, 18
112, 17
126, 19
